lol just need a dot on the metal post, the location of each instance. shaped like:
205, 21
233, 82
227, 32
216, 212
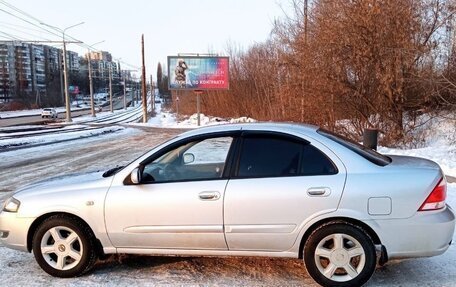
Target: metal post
177, 107
65, 78
110, 89
92, 104
370, 138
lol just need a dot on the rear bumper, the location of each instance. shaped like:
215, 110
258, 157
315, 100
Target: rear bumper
14, 230
427, 233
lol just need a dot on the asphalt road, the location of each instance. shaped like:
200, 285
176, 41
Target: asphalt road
33, 120
17, 268
37, 120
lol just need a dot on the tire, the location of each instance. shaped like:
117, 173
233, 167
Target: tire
340, 254
64, 246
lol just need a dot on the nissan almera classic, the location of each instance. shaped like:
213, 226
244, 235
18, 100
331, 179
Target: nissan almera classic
278, 190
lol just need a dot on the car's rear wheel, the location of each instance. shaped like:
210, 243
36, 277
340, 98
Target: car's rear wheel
64, 247
340, 254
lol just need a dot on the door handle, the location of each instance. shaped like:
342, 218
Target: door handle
209, 195
319, 191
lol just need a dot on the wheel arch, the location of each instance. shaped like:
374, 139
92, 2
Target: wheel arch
36, 223
375, 238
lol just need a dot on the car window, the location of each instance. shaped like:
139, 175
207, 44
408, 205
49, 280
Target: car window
314, 162
264, 156
196, 160
269, 157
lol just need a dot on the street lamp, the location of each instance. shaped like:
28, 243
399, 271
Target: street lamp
92, 106
65, 69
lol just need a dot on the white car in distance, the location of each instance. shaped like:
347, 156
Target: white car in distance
49, 113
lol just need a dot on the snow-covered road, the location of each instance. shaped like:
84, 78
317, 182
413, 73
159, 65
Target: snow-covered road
31, 164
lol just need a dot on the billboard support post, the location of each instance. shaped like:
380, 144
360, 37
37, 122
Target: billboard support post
198, 100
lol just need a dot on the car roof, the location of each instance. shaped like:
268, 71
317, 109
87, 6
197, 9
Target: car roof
263, 126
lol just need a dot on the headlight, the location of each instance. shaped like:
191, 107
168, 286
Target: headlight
11, 205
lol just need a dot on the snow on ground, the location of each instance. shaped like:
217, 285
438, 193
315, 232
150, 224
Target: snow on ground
437, 138
64, 134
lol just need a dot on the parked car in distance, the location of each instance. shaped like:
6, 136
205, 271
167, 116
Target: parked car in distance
49, 113
262, 189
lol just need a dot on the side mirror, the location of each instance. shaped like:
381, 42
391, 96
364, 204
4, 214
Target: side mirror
189, 158
135, 176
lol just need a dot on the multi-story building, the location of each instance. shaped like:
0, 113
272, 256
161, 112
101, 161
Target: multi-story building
38, 72
34, 73
100, 56
25, 69
73, 61
6, 76
100, 68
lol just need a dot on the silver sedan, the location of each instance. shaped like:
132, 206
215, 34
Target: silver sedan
278, 190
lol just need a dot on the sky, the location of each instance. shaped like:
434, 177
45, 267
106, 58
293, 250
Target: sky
169, 26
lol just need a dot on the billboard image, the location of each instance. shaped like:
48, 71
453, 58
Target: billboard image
198, 73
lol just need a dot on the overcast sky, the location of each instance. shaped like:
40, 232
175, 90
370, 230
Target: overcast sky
169, 26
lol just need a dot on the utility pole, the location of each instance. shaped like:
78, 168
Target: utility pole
124, 92
111, 108
61, 76
65, 69
152, 95
92, 104
144, 88
89, 64
306, 6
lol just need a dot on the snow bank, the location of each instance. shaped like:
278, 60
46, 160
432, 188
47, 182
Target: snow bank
168, 120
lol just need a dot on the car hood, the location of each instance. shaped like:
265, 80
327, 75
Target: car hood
65, 183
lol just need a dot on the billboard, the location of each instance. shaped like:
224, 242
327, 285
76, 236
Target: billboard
198, 73
73, 90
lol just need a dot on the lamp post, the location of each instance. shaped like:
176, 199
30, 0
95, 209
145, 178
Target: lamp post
65, 68
92, 104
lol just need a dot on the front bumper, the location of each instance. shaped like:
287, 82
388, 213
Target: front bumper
14, 230
427, 233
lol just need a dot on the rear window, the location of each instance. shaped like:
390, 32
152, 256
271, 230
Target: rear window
367, 153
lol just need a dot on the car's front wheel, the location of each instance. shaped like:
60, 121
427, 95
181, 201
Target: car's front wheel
64, 247
340, 254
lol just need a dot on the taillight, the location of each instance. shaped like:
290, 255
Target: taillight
436, 200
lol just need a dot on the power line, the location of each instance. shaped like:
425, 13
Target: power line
23, 32
82, 44
12, 37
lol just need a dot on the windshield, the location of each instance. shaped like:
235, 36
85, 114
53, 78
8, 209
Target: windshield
369, 154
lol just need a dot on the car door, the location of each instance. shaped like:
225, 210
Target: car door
179, 201
279, 183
